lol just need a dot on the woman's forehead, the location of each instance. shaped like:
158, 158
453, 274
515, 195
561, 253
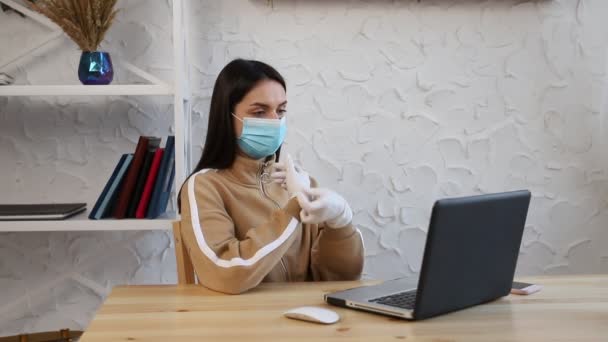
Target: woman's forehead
267, 92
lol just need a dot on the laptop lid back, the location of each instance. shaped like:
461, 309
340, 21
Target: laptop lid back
471, 251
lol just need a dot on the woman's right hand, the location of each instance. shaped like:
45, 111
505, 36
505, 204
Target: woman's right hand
322, 205
291, 177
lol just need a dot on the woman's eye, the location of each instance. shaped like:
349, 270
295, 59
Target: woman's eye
282, 112
260, 113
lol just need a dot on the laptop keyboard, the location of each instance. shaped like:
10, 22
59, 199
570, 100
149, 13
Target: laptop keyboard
403, 300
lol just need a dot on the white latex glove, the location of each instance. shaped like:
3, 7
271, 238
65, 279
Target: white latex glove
290, 176
278, 173
324, 205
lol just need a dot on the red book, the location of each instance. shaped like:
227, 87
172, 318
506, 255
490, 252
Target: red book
126, 190
142, 207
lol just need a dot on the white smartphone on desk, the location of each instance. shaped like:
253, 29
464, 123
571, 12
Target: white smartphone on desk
520, 288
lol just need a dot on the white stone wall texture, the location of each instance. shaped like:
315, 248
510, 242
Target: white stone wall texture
394, 104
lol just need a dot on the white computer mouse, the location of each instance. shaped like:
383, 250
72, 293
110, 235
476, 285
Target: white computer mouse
313, 314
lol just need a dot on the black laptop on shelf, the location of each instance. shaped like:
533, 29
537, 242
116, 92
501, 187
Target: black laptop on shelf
48, 211
470, 257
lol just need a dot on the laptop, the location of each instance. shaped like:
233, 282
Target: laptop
469, 258
45, 211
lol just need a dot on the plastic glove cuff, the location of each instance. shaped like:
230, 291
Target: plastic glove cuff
341, 220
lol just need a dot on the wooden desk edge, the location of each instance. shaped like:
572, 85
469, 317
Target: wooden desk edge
367, 282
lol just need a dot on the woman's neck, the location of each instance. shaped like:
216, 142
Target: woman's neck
240, 152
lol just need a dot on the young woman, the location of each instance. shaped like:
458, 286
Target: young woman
247, 218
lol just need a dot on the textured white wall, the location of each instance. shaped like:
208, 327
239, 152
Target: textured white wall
392, 103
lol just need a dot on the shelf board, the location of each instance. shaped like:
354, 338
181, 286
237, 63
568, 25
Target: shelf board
81, 222
86, 90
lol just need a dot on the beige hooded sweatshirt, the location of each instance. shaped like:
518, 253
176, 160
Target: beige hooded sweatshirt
241, 229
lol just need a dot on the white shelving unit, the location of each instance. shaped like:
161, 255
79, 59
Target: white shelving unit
81, 90
81, 222
179, 90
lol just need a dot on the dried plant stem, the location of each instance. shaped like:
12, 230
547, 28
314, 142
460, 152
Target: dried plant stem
86, 22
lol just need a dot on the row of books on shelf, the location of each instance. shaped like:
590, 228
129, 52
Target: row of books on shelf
140, 185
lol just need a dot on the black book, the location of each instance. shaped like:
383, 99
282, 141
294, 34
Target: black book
139, 186
45, 211
153, 144
164, 181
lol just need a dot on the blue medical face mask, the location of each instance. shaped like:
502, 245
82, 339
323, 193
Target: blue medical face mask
261, 137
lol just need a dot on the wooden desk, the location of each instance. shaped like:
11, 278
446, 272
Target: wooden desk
567, 309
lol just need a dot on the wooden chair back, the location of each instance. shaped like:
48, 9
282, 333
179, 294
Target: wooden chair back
185, 269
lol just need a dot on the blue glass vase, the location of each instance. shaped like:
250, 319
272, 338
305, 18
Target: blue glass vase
95, 68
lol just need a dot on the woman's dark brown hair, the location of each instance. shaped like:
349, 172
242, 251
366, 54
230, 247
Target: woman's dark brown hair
233, 83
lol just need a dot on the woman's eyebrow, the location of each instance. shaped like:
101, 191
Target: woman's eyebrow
259, 104
263, 105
